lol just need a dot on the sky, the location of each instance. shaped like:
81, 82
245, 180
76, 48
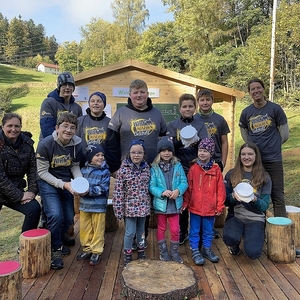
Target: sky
63, 19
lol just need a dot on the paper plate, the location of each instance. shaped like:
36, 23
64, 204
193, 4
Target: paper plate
244, 191
80, 185
188, 135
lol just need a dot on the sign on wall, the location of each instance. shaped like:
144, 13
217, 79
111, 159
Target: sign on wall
124, 92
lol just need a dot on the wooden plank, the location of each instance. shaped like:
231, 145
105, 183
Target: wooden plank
291, 273
107, 287
280, 280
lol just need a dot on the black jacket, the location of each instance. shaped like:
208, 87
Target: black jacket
14, 165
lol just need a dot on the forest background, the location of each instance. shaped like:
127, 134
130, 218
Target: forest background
221, 41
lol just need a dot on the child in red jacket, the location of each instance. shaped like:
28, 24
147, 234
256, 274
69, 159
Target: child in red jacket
204, 199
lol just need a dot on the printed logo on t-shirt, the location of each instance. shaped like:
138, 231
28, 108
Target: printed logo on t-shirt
259, 123
94, 135
60, 112
61, 161
211, 128
142, 127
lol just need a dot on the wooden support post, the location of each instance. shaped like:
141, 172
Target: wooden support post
153, 221
293, 213
35, 252
280, 240
156, 279
111, 221
10, 280
220, 220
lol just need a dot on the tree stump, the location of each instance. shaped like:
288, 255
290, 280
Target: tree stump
293, 213
35, 252
10, 280
280, 240
111, 221
220, 220
158, 280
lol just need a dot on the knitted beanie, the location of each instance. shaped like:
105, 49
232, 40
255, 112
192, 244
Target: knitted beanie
137, 142
165, 143
101, 95
207, 144
92, 150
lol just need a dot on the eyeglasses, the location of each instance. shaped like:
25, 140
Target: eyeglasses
136, 153
67, 127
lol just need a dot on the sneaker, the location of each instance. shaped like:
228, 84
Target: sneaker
209, 254
216, 233
56, 260
65, 250
197, 257
134, 245
297, 253
183, 237
84, 255
95, 259
141, 253
68, 241
235, 250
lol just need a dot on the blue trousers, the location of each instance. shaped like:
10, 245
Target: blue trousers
134, 227
204, 225
58, 206
252, 231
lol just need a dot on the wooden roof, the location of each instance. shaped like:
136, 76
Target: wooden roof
131, 64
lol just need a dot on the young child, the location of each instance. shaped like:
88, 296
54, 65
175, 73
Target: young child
93, 205
167, 185
186, 153
204, 199
131, 199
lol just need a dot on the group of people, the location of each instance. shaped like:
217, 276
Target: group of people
154, 170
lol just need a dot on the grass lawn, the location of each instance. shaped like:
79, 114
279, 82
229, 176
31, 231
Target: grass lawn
34, 87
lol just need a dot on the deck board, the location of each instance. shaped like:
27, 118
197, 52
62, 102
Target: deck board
233, 277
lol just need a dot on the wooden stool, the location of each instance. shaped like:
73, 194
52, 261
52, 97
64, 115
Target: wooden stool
10, 280
293, 213
111, 221
35, 252
220, 220
280, 240
156, 279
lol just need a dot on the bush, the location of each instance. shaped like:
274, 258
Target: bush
5, 101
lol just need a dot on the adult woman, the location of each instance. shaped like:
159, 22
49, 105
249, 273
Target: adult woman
17, 159
247, 219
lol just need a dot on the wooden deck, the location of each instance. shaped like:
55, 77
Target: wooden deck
234, 277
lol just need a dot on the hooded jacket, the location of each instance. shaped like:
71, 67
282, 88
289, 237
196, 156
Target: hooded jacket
14, 165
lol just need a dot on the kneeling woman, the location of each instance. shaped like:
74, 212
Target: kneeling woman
244, 219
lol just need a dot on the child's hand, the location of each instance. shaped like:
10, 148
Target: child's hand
167, 193
182, 209
174, 194
219, 213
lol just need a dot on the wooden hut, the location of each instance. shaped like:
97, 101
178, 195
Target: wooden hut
165, 88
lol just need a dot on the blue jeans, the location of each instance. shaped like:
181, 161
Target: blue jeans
203, 224
134, 226
58, 206
253, 232
275, 170
31, 211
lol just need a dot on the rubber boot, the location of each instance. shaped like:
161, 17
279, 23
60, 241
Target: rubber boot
174, 252
127, 257
163, 251
141, 253
197, 257
208, 253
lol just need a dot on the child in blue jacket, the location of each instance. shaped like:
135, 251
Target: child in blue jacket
93, 205
168, 183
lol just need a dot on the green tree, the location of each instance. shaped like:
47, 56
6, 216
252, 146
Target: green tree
161, 45
131, 15
4, 24
67, 57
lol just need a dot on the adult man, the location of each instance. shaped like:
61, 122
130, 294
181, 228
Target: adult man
139, 119
57, 102
265, 124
